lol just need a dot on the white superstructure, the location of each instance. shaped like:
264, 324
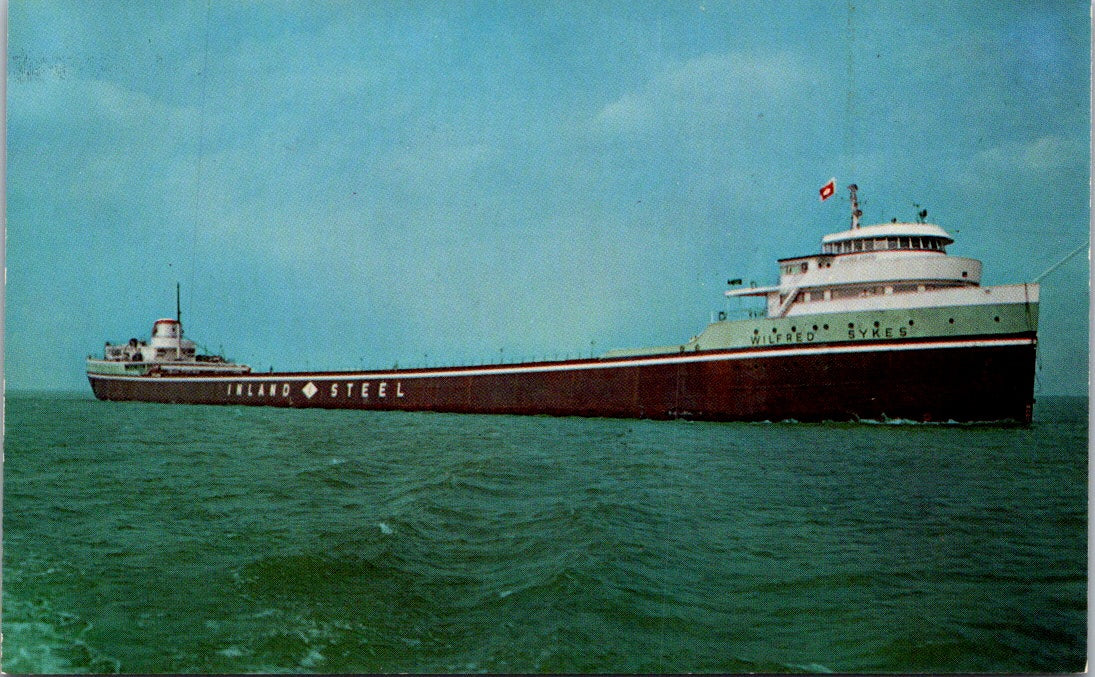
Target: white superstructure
166, 345
883, 266
166, 352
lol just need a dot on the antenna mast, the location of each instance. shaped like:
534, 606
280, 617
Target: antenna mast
856, 212
178, 327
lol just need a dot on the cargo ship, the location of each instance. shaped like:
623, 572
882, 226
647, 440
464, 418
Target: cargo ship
881, 324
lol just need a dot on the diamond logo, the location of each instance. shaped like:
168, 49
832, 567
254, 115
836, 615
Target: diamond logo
309, 390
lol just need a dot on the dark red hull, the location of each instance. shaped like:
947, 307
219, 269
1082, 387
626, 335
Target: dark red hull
973, 379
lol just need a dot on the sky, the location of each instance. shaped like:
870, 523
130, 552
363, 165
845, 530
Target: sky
359, 184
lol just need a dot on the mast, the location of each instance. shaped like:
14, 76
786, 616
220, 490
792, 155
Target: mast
856, 212
178, 328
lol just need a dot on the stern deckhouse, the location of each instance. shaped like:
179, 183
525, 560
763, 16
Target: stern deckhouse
166, 352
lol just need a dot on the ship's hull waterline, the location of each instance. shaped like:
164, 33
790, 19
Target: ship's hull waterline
962, 379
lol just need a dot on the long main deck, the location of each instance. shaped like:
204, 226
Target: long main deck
984, 378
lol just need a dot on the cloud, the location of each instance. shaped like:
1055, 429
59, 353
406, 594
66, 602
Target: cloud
432, 162
98, 110
712, 86
1045, 153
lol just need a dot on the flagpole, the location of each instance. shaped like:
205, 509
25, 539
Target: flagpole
856, 213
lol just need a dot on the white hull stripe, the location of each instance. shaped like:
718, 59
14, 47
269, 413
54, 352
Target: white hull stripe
613, 364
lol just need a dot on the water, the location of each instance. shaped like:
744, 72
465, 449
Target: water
153, 538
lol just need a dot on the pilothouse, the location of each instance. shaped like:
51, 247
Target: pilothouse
881, 266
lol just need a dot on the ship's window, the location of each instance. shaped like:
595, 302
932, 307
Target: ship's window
756, 331
868, 245
893, 243
793, 328
876, 325
825, 327
910, 323
904, 243
773, 330
815, 327
858, 246
996, 319
851, 325
804, 267
951, 320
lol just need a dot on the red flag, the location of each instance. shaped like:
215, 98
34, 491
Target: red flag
828, 189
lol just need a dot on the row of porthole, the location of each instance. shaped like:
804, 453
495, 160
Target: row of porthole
851, 325
794, 328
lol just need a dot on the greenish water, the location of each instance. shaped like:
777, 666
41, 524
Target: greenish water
160, 538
